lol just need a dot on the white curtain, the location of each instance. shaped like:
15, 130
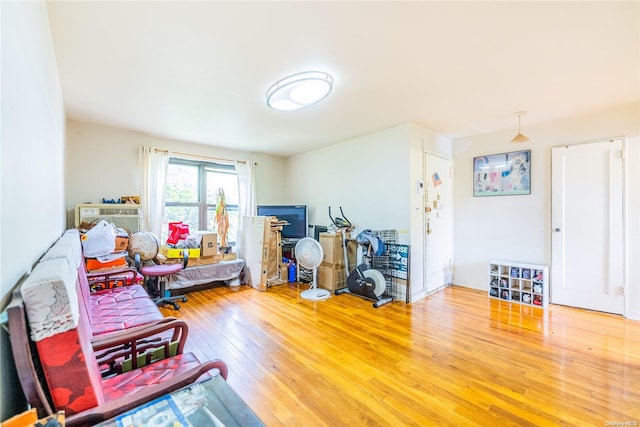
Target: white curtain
246, 194
153, 164
246, 188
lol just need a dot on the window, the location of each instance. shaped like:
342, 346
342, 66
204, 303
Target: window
191, 192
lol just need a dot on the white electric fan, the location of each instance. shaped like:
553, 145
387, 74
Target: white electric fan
309, 255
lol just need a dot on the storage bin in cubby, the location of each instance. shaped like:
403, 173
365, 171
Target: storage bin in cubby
519, 282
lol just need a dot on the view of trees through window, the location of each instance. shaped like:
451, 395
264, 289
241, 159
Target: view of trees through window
191, 195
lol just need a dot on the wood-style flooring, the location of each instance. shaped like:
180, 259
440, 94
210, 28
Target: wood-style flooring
455, 358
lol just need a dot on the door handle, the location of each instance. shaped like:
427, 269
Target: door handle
557, 230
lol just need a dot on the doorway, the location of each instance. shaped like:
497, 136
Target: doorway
438, 218
587, 226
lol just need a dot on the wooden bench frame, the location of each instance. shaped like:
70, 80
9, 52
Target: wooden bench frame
36, 390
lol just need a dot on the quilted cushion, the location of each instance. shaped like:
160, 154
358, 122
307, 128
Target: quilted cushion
116, 295
121, 308
71, 370
136, 380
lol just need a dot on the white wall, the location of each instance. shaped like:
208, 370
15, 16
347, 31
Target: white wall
33, 126
373, 178
366, 175
519, 227
632, 216
32, 158
103, 163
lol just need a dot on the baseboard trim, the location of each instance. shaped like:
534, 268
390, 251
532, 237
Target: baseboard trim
633, 315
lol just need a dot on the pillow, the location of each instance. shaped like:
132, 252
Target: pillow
50, 298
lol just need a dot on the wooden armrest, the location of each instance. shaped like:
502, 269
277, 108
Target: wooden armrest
115, 335
109, 273
116, 407
136, 347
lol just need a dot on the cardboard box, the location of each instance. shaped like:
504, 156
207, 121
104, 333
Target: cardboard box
229, 257
130, 200
352, 254
193, 262
122, 243
331, 278
209, 244
256, 254
332, 248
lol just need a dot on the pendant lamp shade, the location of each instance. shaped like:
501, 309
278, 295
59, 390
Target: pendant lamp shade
519, 137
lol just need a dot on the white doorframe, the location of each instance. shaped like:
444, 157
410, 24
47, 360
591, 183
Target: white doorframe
437, 214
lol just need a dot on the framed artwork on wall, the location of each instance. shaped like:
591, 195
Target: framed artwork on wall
503, 174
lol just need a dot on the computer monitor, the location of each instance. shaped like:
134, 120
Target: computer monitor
295, 215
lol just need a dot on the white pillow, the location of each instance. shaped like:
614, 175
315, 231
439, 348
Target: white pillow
50, 298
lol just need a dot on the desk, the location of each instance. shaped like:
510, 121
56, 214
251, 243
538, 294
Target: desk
208, 403
225, 271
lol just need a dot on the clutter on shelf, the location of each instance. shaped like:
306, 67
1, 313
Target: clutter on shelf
123, 200
105, 247
202, 246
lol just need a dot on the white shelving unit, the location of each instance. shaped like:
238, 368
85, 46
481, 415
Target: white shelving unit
523, 283
126, 216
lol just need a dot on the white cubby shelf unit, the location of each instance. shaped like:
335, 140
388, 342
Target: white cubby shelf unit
519, 282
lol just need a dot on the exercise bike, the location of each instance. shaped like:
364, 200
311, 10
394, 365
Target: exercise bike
363, 281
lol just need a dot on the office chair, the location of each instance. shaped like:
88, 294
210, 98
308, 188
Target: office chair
155, 277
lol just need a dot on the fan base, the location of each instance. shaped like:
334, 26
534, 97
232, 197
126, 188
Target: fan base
315, 294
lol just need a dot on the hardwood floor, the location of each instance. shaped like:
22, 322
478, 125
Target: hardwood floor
455, 358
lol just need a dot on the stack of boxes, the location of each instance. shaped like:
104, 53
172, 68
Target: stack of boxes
116, 260
206, 253
180, 240
331, 273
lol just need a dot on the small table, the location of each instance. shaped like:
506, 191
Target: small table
208, 403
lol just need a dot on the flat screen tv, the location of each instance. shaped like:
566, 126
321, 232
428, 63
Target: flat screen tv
295, 215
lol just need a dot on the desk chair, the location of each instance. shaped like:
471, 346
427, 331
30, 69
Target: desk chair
155, 276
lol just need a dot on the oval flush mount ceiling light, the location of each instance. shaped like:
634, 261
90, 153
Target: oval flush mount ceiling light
519, 137
299, 90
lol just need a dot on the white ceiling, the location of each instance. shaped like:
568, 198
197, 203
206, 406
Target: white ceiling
198, 71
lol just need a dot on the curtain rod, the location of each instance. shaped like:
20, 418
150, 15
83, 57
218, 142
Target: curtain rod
157, 150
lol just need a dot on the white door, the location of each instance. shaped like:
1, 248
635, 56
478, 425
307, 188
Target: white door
438, 197
587, 226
